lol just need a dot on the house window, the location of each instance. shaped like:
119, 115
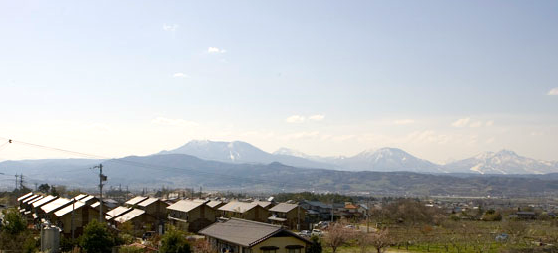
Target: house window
269, 249
294, 248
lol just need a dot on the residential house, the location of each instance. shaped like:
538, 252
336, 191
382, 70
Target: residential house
47, 211
110, 215
215, 204
191, 215
265, 204
154, 207
79, 213
290, 215
139, 218
244, 210
256, 237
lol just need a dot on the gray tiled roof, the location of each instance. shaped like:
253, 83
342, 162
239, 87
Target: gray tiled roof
117, 212
239, 231
283, 208
264, 204
27, 200
238, 207
129, 215
68, 209
136, 200
25, 196
147, 202
35, 200
185, 205
55, 205
43, 201
214, 203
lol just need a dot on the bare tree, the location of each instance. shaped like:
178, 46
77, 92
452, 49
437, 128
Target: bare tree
337, 235
379, 240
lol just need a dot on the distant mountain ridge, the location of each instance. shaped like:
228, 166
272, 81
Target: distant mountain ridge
185, 171
383, 159
502, 162
241, 152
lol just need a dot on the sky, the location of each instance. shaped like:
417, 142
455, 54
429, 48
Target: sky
442, 80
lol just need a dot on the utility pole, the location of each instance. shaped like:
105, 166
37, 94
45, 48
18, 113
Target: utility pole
200, 192
16, 176
73, 208
368, 216
21, 181
36, 189
101, 179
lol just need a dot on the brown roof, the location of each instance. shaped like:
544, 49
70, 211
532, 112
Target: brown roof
350, 206
246, 233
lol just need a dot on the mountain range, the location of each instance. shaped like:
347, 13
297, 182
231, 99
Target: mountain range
383, 159
185, 171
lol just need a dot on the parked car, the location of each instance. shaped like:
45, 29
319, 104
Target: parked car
306, 233
317, 232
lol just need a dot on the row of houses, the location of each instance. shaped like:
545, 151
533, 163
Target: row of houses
207, 217
60, 211
151, 214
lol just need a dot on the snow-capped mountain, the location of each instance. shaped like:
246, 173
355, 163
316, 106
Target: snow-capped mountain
383, 159
387, 159
242, 152
296, 153
502, 162
235, 152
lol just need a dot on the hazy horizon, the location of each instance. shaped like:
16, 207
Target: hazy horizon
440, 80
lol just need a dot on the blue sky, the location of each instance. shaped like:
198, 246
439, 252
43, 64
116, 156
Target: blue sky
442, 80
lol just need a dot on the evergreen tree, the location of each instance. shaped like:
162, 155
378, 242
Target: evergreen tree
96, 238
174, 242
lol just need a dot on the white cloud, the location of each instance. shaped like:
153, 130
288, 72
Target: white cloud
174, 122
553, 92
295, 119
476, 124
490, 140
403, 121
489, 123
316, 117
170, 28
216, 50
180, 75
461, 122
